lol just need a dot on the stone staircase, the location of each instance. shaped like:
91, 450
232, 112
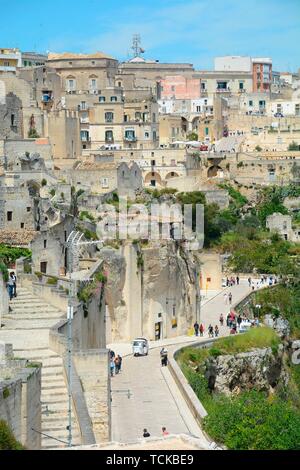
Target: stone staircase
35, 317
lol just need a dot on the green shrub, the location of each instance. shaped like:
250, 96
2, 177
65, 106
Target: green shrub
5, 393
52, 281
7, 439
44, 182
4, 271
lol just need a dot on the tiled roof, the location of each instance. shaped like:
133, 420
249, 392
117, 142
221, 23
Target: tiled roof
17, 237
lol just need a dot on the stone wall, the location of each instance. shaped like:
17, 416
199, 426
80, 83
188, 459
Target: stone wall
20, 397
3, 298
92, 367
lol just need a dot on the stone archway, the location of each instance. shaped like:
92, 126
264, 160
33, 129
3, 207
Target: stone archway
213, 171
172, 174
153, 176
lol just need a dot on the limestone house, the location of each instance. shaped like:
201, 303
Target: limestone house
49, 253
282, 224
101, 178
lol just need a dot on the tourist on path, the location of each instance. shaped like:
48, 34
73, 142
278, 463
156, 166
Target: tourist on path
230, 298
13, 276
249, 281
237, 280
164, 357
201, 329
10, 285
211, 331
221, 319
117, 362
196, 328
112, 367
216, 331
225, 298
164, 431
146, 433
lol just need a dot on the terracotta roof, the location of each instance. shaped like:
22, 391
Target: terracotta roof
17, 237
69, 55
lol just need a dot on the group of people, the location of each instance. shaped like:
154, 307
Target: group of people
264, 280
232, 281
115, 364
163, 431
12, 286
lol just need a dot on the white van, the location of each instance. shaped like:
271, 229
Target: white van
140, 347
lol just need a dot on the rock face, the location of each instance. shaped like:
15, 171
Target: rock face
150, 291
280, 325
259, 369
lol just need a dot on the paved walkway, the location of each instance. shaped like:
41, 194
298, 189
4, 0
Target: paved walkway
155, 399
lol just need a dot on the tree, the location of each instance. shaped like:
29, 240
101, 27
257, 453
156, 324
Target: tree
258, 148
293, 146
192, 136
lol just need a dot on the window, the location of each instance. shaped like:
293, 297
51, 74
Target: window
109, 116
262, 104
153, 117
172, 88
109, 137
12, 119
241, 85
154, 135
205, 102
125, 118
9, 216
101, 99
6, 63
45, 243
43, 267
113, 99
221, 85
250, 103
22, 224
119, 84
28, 209
153, 162
297, 109
130, 135
71, 84
146, 135
104, 182
206, 131
198, 109
137, 115
152, 183
203, 86
93, 84
83, 105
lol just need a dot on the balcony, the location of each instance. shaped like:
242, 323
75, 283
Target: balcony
109, 140
84, 120
85, 138
130, 139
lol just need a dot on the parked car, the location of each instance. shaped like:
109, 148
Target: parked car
280, 115
140, 347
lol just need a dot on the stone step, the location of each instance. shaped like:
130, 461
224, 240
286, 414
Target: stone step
61, 406
50, 399
53, 392
34, 316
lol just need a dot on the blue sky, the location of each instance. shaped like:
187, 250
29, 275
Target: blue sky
180, 30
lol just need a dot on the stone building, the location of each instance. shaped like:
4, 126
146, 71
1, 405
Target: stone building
282, 224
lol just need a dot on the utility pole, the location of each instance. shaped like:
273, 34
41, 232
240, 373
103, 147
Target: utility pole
198, 294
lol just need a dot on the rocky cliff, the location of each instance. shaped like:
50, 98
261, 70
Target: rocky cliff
260, 369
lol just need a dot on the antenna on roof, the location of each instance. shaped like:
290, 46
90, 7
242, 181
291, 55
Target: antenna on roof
136, 46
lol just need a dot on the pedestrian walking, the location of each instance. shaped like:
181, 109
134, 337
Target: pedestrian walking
112, 367
146, 433
225, 298
227, 282
201, 329
13, 276
221, 319
164, 357
239, 320
112, 354
210, 331
10, 286
230, 298
164, 431
216, 331
237, 280
228, 320
117, 362
196, 328
249, 281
